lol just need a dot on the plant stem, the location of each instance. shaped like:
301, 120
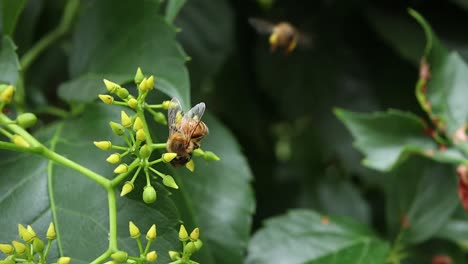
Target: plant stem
111, 195
141, 115
158, 146
102, 257
114, 182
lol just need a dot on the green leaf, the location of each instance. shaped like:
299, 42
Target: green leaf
9, 64
303, 236
10, 11
113, 42
422, 195
446, 88
172, 9
217, 197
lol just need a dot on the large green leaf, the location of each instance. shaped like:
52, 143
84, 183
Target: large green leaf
421, 195
387, 138
304, 236
9, 65
112, 43
10, 11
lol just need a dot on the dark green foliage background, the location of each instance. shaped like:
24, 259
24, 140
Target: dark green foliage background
286, 157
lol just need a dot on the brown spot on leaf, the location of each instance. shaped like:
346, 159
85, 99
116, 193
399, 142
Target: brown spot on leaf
442, 147
460, 135
404, 222
462, 172
325, 220
429, 152
424, 70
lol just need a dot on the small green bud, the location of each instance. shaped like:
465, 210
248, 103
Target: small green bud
174, 255
8, 261
139, 76
134, 230
169, 182
149, 194
127, 188
152, 256
138, 124
160, 118
25, 234
117, 128
6, 249
140, 135
151, 234
111, 262
20, 248
150, 83
122, 93
198, 244
26, 120
132, 102
145, 152
166, 104
120, 256
105, 98
64, 260
51, 232
38, 245
195, 234
31, 230
20, 141
104, 145
183, 235
143, 86
125, 119
190, 165
114, 158
198, 152
190, 248
111, 86
122, 168
168, 157
210, 156
7, 94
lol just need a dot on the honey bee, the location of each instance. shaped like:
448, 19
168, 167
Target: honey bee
282, 34
186, 131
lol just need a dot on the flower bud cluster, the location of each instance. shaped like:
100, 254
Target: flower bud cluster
190, 244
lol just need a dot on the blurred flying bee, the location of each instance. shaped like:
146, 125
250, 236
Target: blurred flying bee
282, 34
186, 131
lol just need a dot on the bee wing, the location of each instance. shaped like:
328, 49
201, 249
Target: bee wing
173, 112
262, 26
196, 113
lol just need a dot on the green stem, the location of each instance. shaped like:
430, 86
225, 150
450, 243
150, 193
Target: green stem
6, 133
158, 146
147, 247
102, 257
140, 246
111, 195
141, 115
46, 252
114, 182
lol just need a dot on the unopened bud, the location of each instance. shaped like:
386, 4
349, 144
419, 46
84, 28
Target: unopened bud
26, 120
149, 194
122, 93
198, 244
210, 156
151, 234
6, 249
190, 248
64, 260
138, 124
105, 98
8, 261
122, 168
104, 145
166, 104
138, 76
168, 157
169, 182
126, 188
114, 158
198, 152
134, 230
111, 86
195, 234
152, 256
190, 165
132, 102
143, 87
51, 232
125, 119
160, 118
20, 141
140, 135
38, 245
20, 248
31, 230
7, 94
174, 255
183, 235
145, 152
25, 234
120, 256
117, 128
150, 83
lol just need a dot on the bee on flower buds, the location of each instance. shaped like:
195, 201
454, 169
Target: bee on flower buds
282, 34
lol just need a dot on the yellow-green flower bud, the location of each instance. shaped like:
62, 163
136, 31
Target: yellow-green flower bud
139, 76
166, 104
51, 232
126, 188
152, 256
145, 152
169, 182
143, 86
190, 165
210, 156
190, 248
6, 249
122, 168
151, 234
174, 255
111, 262
198, 244
105, 98
134, 230
20, 248
25, 234
117, 128
104, 145
120, 256
31, 230
195, 234
183, 235
149, 194
138, 124
132, 102
160, 118
64, 260
168, 157
150, 83
38, 245
8, 261
111, 86
114, 158
7, 94
198, 152
122, 93
20, 141
125, 119
140, 135
26, 120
